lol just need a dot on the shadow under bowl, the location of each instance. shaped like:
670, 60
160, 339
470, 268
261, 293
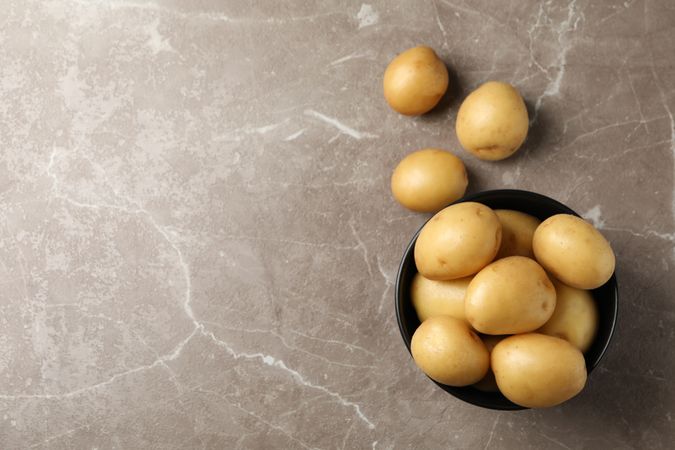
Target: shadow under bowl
541, 207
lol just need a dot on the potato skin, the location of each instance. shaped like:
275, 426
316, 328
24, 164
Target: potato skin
415, 81
432, 298
448, 351
573, 251
428, 180
517, 232
492, 122
575, 318
458, 241
488, 382
511, 295
538, 371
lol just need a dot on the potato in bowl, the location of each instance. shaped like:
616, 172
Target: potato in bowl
541, 207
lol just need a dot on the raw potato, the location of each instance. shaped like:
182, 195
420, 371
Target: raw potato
511, 295
517, 232
488, 383
439, 298
573, 251
575, 318
415, 81
448, 351
537, 371
458, 241
429, 180
492, 121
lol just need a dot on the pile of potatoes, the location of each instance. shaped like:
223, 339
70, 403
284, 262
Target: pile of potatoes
503, 298
504, 301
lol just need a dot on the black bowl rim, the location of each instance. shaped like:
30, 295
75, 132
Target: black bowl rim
529, 195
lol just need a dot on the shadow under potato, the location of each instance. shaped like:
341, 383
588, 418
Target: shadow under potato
535, 133
478, 180
630, 394
451, 98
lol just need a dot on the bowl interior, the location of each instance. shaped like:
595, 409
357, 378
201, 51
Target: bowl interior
538, 206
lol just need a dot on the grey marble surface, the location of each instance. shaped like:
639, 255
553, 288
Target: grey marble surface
198, 242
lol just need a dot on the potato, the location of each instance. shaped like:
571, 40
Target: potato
511, 295
458, 241
488, 383
575, 318
517, 231
448, 351
573, 251
429, 180
438, 298
415, 81
537, 371
492, 121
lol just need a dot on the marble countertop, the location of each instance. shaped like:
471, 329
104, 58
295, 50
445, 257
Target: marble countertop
198, 244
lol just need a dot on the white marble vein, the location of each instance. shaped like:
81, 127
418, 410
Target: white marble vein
353, 56
290, 346
156, 42
555, 441
594, 215
492, 432
351, 347
150, 146
198, 326
367, 16
389, 280
294, 136
344, 129
617, 9
362, 246
566, 27
74, 393
297, 376
664, 100
439, 22
58, 436
258, 418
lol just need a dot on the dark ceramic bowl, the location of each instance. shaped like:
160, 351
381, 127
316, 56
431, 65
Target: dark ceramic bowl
541, 207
